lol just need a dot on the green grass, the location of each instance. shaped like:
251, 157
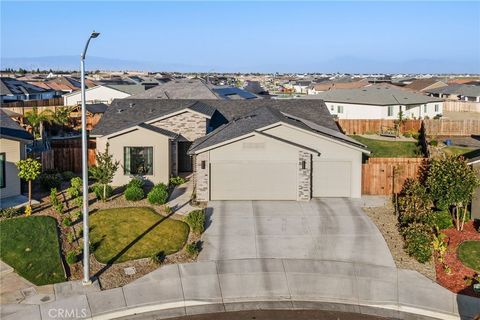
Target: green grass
124, 234
30, 245
469, 254
391, 149
456, 150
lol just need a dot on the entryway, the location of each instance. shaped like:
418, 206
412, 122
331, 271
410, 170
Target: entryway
184, 160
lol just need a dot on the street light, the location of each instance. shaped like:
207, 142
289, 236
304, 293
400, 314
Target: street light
86, 248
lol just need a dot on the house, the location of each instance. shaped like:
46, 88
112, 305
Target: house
63, 84
179, 89
257, 149
379, 102
103, 94
330, 85
461, 92
425, 84
16, 90
12, 149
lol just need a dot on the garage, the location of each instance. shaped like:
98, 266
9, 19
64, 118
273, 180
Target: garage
253, 180
331, 179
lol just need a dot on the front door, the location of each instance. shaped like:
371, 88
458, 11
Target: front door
184, 160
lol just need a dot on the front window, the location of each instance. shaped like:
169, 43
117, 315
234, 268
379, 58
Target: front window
425, 108
2, 170
340, 109
436, 108
390, 111
138, 160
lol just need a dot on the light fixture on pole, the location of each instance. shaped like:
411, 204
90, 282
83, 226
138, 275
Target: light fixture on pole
86, 248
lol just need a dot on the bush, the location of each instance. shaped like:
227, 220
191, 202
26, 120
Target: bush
407, 134
194, 248
418, 242
67, 222
196, 221
158, 195
442, 219
176, 181
71, 257
56, 203
415, 135
134, 194
433, 143
50, 180
76, 215
70, 237
75, 189
98, 190
136, 182
67, 175
414, 204
10, 213
158, 258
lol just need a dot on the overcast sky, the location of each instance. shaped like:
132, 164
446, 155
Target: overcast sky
249, 36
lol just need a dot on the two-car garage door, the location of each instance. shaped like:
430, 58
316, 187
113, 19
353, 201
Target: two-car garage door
253, 180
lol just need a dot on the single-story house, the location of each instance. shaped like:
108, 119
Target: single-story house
473, 159
462, 92
12, 149
16, 90
379, 102
239, 149
425, 84
103, 94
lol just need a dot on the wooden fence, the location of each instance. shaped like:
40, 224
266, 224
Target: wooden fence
461, 106
385, 176
446, 127
363, 126
66, 155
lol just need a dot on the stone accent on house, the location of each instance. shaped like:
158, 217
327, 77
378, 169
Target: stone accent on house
174, 157
188, 124
201, 177
304, 176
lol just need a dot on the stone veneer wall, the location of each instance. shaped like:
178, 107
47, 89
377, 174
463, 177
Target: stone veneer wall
304, 176
188, 124
201, 177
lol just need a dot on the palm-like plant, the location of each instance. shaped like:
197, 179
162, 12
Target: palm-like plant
36, 120
61, 116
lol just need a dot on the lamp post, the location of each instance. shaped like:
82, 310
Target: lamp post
86, 248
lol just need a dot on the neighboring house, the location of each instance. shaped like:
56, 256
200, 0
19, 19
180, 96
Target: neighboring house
62, 84
473, 159
233, 93
462, 92
16, 90
242, 149
179, 89
13, 139
103, 94
379, 102
425, 84
330, 85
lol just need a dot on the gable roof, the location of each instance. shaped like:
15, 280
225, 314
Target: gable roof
10, 86
11, 129
421, 84
382, 95
178, 89
96, 107
130, 89
165, 132
458, 89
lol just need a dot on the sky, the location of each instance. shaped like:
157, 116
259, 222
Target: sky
393, 37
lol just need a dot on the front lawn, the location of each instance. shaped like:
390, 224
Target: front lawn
469, 254
390, 149
124, 234
451, 150
30, 245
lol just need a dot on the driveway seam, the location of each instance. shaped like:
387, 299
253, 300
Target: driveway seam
254, 230
181, 287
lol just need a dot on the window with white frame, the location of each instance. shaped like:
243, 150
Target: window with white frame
390, 111
339, 109
437, 108
425, 108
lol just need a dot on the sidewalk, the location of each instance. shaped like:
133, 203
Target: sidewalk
253, 284
180, 197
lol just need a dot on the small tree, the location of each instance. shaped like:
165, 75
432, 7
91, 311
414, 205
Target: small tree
29, 170
104, 170
451, 182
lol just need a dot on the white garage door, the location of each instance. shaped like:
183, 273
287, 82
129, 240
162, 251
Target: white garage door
253, 180
331, 178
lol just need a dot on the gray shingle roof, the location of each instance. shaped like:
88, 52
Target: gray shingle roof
96, 107
11, 129
131, 89
165, 132
459, 89
382, 95
178, 89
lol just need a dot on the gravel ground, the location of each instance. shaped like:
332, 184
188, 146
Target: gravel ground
386, 221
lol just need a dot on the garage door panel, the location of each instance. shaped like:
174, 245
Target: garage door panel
253, 180
331, 178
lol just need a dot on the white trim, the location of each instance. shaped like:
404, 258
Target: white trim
92, 88
473, 162
130, 129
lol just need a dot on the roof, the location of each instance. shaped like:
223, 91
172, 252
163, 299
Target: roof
472, 156
96, 107
11, 129
382, 95
178, 89
458, 89
329, 85
260, 118
422, 84
231, 93
165, 132
10, 86
131, 89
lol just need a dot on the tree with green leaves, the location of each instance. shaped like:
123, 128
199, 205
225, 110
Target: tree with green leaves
104, 170
61, 116
29, 169
36, 120
451, 183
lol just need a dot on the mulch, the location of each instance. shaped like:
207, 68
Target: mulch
455, 281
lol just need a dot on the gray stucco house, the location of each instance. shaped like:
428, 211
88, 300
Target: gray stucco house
237, 150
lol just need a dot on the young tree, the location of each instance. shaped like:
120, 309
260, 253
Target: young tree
36, 120
104, 170
29, 170
451, 182
61, 116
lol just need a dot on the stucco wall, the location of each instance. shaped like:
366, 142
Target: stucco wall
100, 93
189, 125
138, 138
14, 151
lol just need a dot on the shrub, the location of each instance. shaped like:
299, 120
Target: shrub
76, 215
176, 181
98, 190
193, 248
415, 135
56, 203
50, 180
414, 204
75, 189
442, 219
71, 257
134, 194
158, 195
70, 237
67, 175
418, 242
10, 213
196, 221
158, 257
433, 143
67, 222
136, 182
407, 134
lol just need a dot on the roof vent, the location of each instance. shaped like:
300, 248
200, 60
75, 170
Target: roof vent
131, 105
119, 110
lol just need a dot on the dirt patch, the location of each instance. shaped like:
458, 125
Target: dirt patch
455, 281
386, 221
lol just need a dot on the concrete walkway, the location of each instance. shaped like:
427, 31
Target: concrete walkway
252, 284
180, 198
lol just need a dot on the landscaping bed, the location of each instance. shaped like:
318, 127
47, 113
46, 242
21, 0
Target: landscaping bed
455, 281
391, 149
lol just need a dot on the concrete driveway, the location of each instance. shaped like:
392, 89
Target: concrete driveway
327, 229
